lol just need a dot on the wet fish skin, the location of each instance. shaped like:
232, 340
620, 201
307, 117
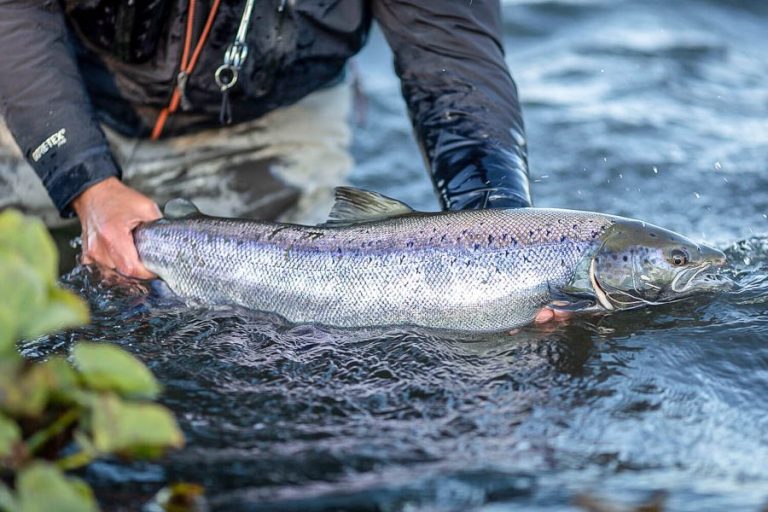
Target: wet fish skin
475, 270
472, 270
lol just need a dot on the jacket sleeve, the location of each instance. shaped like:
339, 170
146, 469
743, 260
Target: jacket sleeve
461, 98
45, 104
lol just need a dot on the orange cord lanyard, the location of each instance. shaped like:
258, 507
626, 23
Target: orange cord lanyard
187, 64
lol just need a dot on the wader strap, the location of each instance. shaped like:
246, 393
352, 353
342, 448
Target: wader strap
187, 65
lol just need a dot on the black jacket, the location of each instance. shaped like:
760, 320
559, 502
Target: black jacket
66, 67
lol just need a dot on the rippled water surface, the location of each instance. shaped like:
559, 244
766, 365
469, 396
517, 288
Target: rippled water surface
656, 110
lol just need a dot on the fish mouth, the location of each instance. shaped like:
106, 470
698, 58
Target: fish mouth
703, 278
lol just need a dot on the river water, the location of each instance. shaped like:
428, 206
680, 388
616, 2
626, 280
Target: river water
656, 110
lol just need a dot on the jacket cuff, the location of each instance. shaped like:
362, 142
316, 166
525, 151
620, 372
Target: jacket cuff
65, 185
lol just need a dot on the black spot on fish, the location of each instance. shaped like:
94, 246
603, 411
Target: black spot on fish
653, 235
275, 232
409, 245
549, 232
526, 259
530, 233
490, 239
563, 238
443, 238
625, 258
476, 246
594, 234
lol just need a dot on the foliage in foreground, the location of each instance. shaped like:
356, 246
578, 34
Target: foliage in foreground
55, 416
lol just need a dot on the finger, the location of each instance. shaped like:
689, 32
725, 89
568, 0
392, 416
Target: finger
560, 315
96, 255
544, 315
128, 263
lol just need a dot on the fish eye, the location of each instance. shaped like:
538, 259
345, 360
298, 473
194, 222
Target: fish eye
678, 257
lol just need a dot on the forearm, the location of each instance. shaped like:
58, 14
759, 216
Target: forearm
461, 98
44, 102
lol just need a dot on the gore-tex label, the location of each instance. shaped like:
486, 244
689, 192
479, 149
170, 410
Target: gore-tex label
58, 139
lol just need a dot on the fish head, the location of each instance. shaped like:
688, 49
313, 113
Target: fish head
640, 264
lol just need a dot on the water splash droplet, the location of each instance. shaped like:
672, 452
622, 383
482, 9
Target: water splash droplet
718, 165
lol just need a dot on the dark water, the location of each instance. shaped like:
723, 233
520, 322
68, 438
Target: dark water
655, 110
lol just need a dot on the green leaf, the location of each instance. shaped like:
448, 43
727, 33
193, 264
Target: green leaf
25, 393
32, 303
61, 379
28, 237
140, 430
63, 309
10, 436
8, 328
24, 292
8, 501
42, 488
106, 367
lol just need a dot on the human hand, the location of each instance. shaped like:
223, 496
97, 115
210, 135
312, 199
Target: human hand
548, 315
108, 212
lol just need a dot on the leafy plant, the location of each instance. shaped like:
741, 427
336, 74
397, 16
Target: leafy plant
56, 416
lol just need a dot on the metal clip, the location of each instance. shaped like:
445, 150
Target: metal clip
181, 84
227, 74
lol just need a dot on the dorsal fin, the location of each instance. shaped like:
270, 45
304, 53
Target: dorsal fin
355, 205
180, 209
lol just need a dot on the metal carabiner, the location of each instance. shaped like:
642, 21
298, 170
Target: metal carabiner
226, 77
